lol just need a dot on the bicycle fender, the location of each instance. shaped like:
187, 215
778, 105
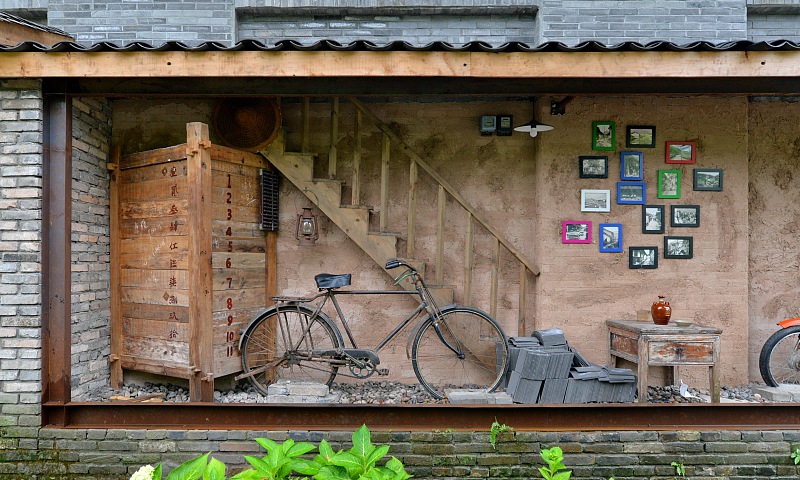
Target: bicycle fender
789, 322
413, 332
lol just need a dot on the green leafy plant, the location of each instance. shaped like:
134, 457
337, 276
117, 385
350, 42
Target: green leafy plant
280, 462
796, 455
193, 469
495, 430
555, 468
680, 470
358, 463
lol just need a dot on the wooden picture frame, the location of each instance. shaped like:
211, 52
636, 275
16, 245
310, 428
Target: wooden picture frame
593, 166
642, 257
610, 237
640, 136
576, 231
595, 200
680, 152
631, 166
604, 135
678, 247
685, 215
669, 184
652, 218
631, 193
708, 179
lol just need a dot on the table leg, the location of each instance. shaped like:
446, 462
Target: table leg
642, 370
713, 376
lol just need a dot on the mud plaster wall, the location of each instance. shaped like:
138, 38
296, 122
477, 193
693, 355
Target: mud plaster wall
580, 288
774, 220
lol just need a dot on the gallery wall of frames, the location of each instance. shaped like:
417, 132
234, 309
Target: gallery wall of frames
631, 192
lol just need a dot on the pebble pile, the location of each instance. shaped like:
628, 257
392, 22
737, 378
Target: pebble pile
384, 392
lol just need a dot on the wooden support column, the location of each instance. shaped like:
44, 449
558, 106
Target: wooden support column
523, 276
412, 209
56, 252
306, 119
201, 354
441, 203
495, 275
385, 153
334, 137
468, 259
115, 293
355, 197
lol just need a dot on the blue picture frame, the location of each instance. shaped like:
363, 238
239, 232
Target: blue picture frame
610, 237
631, 193
631, 166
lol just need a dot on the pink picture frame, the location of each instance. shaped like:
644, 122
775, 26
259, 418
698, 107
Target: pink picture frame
576, 231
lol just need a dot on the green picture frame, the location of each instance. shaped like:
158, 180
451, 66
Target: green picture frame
669, 184
604, 135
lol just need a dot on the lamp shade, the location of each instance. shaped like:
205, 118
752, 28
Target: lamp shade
533, 127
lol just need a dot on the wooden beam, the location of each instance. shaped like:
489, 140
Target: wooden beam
495, 277
412, 210
115, 294
469, 256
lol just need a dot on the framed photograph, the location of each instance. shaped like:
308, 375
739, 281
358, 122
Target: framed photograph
631, 166
610, 237
604, 136
652, 218
643, 257
631, 193
685, 216
669, 184
640, 136
708, 179
680, 152
595, 200
593, 166
576, 231
678, 247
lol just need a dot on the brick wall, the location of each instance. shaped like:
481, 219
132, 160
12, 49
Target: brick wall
20, 247
90, 246
772, 26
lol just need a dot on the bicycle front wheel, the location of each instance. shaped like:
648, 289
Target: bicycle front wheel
464, 348
292, 343
779, 361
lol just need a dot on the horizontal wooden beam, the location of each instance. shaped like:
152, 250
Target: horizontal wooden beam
326, 64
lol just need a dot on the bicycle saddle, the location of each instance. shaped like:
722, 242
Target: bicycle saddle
329, 280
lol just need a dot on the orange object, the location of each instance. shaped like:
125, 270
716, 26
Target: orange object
661, 311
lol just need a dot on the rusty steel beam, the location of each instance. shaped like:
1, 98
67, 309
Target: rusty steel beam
617, 417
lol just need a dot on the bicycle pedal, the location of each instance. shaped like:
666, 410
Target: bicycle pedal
383, 371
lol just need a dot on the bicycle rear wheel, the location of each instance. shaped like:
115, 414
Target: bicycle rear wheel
779, 361
273, 338
463, 348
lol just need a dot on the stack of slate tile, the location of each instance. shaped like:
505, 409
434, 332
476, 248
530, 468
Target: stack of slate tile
545, 369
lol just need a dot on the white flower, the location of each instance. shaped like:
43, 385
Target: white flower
144, 473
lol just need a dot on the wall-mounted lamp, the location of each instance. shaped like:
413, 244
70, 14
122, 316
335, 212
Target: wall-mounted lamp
307, 231
534, 126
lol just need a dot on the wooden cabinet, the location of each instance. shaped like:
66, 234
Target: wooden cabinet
190, 263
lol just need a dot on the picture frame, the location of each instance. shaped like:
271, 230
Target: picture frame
680, 152
652, 218
678, 247
576, 231
685, 215
640, 136
669, 184
610, 237
593, 166
631, 193
642, 257
595, 200
708, 179
631, 166
604, 135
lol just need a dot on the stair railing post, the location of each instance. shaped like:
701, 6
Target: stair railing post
412, 209
334, 137
523, 276
385, 152
355, 197
306, 121
495, 275
440, 235
468, 259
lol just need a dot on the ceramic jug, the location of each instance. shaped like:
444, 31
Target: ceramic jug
661, 311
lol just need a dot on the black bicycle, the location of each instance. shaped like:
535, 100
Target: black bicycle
453, 347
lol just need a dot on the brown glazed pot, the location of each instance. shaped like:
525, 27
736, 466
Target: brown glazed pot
661, 311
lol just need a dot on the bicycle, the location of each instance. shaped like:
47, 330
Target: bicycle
779, 361
453, 346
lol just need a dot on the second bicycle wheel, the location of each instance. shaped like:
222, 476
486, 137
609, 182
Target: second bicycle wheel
291, 340
779, 361
463, 348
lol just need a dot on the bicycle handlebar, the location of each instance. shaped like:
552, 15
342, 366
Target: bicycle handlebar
394, 263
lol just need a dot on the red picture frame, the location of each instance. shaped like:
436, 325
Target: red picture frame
680, 152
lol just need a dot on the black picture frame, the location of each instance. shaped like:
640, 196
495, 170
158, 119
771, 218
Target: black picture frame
640, 136
708, 179
678, 247
685, 216
593, 166
653, 219
643, 257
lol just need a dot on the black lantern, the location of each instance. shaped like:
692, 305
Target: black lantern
307, 228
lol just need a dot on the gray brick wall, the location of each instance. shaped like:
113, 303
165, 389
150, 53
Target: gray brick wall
773, 26
20, 251
91, 123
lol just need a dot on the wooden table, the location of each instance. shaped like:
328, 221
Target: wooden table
647, 344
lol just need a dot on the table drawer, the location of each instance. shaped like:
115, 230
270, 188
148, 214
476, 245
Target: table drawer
684, 353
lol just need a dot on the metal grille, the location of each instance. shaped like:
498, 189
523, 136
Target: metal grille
269, 200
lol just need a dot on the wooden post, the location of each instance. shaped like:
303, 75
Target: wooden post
412, 209
306, 119
441, 203
334, 137
115, 296
523, 276
201, 354
495, 275
468, 259
355, 197
385, 153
